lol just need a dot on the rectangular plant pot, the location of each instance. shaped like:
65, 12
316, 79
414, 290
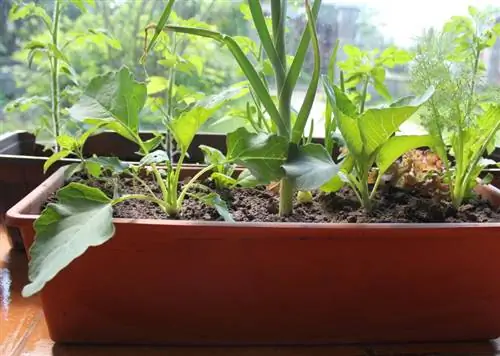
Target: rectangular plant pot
204, 283
21, 162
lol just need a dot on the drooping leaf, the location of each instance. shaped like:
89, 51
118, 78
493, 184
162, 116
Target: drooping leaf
54, 158
152, 143
113, 95
214, 200
261, 153
111, 164
156, 157
212, 155
115, 126
397, 146
81, 218
72, 169
310, 165
159, 28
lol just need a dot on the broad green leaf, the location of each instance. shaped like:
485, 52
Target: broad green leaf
156, 85
305, 109
310, 165
338, 99
93, 168
261, 153
378, 125
112, 95
81, 218
337, 182
152, 143
215, 201
156, 157
397, 146
115, 126
247, 180
20, 11
352, 51
54, 158
224, 179
67, 142
212, 155
112, 164
185, 127
80, 4
352, 135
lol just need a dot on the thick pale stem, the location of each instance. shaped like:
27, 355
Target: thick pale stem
55, 73
287, 189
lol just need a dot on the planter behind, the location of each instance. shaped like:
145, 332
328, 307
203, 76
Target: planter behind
175, 282
21, 163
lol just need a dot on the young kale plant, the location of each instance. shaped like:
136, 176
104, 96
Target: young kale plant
369, 137
281, 156
461, 116
82, 216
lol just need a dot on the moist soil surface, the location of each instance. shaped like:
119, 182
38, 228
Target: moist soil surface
392, 205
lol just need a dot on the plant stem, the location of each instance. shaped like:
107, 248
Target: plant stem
363, 95
278, 14
139, 197
287, 188
55, 73
191, 182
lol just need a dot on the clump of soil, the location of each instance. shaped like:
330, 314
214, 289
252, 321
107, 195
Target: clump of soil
393, 205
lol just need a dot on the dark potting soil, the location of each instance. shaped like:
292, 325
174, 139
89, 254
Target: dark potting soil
392, 205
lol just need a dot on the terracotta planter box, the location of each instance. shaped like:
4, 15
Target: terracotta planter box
21, 163
188, 283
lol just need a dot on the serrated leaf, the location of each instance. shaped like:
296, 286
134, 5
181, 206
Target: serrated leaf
81, 218
54, 158
156, 157
310, 165
261, 153
113, 95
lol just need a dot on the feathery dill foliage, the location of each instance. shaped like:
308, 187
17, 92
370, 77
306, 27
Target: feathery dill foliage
463, 112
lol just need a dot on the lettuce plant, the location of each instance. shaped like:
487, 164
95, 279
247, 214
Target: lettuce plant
281, 156
463, 116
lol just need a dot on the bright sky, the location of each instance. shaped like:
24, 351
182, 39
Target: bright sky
403, 20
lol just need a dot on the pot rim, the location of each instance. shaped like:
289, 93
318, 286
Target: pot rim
17, 216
